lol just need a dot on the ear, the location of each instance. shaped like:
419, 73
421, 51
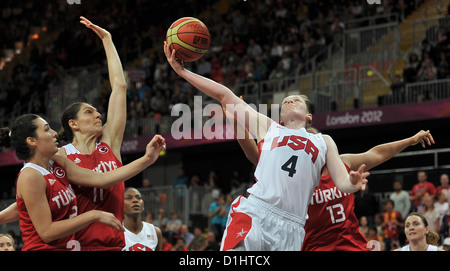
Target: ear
31, 141
73, 124
309, 118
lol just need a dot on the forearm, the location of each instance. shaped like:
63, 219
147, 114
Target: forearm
121, 174
210, 87
85, 177
9, 214
389, 150
115, 69
60, 229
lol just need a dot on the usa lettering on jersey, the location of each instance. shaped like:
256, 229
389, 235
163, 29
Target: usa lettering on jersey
296, 143
139, 247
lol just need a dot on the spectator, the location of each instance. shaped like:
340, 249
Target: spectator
431, 213
180, 245
162, 219
427, 71
421, 189
392, 223
401, 200
366, 204
216, 210
441, 205
211, 244
444, 187
226, 210
445, 228
398, 89
165, 245
446, 244
6, 242
186, 235
372, 234
413, 66
364, 226
173, 227
181, 179
199, 240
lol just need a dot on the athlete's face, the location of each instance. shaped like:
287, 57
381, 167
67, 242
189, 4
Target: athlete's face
415, 229
133, 204
88, 121
45, 141
294, 107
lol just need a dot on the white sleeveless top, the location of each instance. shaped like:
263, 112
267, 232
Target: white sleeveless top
146, 240
430, 248
289, 168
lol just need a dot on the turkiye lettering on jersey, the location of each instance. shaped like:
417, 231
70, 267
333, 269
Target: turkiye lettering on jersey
61, 201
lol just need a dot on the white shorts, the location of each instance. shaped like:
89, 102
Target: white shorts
254, 225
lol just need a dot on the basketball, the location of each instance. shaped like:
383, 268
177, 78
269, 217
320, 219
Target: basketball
189, 37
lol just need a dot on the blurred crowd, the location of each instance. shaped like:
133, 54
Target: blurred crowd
251, 41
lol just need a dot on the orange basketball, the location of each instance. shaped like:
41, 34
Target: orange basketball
189, 37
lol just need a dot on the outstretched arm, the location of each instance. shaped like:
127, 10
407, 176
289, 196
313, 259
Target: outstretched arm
345, 182
381, 153
117, 108
90, 178
9, 214
222, 94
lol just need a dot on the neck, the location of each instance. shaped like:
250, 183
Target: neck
84, 143
40, 160
133, 223
294, 124
420, 245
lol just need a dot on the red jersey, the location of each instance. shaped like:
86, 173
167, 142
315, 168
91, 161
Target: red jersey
63, 205
332, 223
98, 236
421, 188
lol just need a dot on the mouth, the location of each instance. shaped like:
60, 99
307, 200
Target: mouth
136, 207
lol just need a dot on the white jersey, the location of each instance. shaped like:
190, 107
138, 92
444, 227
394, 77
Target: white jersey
289, 168
146, 240
430, 248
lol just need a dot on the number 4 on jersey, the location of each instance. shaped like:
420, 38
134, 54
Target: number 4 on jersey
290, 164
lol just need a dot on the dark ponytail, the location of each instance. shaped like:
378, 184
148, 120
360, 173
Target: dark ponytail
23, 127
66, 133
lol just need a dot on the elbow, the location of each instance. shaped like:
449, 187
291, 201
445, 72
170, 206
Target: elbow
47, 237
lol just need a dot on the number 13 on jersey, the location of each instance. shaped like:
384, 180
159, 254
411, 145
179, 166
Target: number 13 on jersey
337, 214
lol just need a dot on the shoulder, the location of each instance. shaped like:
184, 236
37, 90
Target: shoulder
30, 180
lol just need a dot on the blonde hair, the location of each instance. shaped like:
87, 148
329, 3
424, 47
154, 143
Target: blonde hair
10, 237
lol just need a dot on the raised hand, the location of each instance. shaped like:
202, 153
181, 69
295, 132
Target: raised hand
154, 147
422, 137
102, 33
173, 61
359, 178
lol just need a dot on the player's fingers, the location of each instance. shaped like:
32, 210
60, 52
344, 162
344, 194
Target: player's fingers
430, 138
362, 168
